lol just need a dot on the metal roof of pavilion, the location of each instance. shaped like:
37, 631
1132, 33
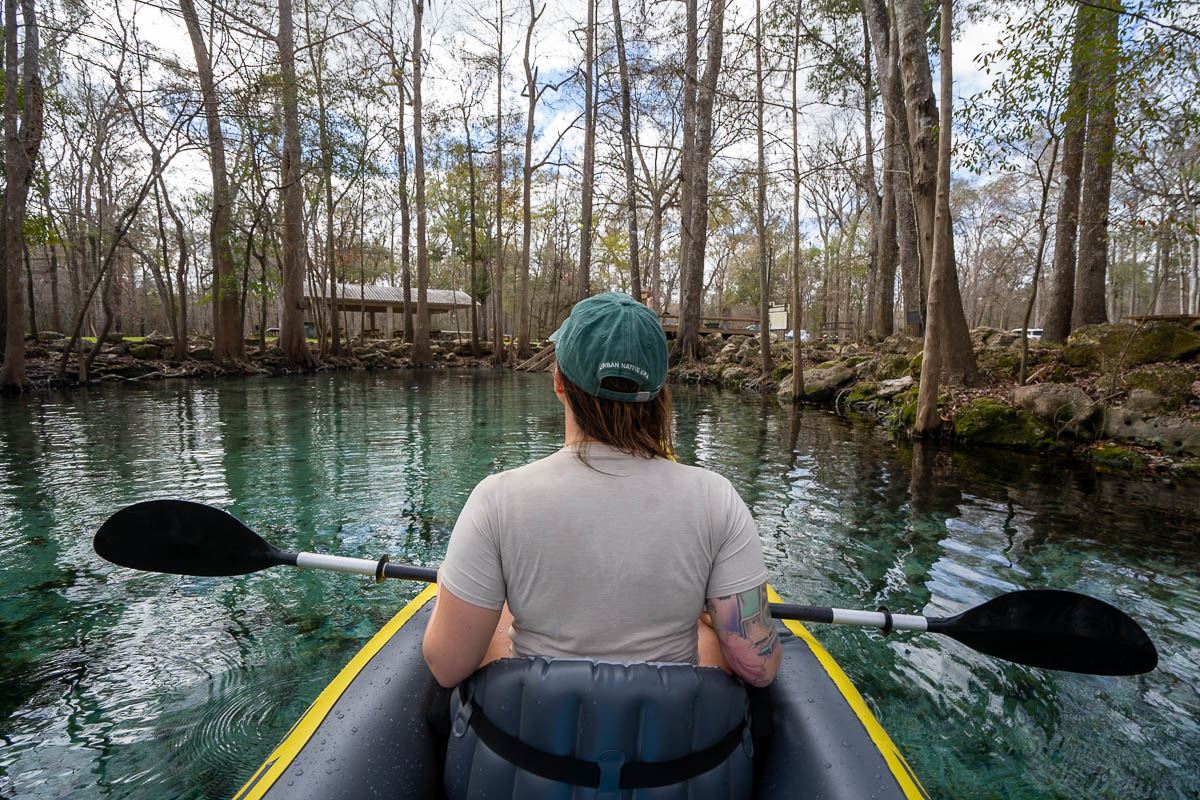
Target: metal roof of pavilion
438, 299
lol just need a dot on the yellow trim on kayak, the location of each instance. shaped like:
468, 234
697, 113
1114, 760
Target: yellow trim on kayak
279, 760
903, 774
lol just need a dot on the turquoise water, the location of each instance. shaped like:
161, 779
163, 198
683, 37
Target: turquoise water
118, 684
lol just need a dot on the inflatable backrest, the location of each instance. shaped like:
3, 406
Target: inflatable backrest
569, 718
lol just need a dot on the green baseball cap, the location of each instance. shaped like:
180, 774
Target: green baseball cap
612, 335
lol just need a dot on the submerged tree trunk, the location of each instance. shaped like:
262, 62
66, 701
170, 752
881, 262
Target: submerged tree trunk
1062, 280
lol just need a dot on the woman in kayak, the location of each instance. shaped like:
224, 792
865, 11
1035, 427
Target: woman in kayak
607, 549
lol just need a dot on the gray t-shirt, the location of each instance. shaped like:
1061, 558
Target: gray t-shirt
611, 562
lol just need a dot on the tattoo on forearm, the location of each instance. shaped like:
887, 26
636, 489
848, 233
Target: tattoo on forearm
747, 634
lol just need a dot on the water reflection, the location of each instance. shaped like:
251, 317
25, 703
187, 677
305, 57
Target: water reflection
123, 684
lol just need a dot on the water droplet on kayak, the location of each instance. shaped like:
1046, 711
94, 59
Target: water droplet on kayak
828, 765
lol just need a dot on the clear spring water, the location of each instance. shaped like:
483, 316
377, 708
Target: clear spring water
118, 684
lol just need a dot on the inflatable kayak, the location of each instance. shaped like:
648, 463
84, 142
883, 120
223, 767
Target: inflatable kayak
373, 731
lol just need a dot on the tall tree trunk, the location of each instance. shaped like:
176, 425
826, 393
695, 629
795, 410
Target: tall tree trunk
882, 312
1062, 284
523, 309
929, 421
923, 126
764, 287
797, 316
316, 54
476, 351
498, 280
421, 354
902, 237
23, 104
635, 272
291, 318
227, 336
589, 155
687, 172
1096, 190
688, 340
405, 220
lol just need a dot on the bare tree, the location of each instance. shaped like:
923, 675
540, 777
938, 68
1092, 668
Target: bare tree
764, 333
227, 334
797, 317
291, 324
635, 272
589, 154
421, 354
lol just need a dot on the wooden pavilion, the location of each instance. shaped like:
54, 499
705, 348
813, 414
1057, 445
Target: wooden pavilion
389, 302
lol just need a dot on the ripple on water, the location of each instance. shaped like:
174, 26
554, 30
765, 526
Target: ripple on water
126, 685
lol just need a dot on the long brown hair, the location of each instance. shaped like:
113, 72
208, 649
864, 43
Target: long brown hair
640, 429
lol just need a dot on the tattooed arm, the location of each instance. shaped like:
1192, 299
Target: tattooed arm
747, 634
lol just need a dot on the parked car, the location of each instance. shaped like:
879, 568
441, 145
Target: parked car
805, 336
1034, 333
753, 326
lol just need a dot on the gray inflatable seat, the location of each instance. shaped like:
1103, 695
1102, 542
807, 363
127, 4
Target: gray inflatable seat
565, 717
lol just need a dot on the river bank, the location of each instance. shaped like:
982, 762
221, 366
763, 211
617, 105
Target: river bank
148, 358
1122, 397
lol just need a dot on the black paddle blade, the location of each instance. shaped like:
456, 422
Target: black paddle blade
1054, 630
184, 538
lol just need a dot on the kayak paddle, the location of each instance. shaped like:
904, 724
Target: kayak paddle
1044, 628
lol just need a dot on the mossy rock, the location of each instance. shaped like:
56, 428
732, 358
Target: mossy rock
820, 385
1189, 471
984, 421
1173, 384
901, 344
828, 364
998, 362
114, 338
37, 352
854, 361
201, 353
1113, 457
914, 366
862, 392
1102, 346
145, 351
49, 336
892, 365
781, 371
